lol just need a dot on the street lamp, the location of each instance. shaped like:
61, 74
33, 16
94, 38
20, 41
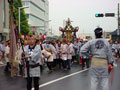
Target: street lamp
47, 22
45, 26
19, 14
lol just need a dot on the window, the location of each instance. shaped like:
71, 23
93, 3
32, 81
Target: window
43, 2
36, 19
25, 3
38, 9
34, 6
46, 14
28, 16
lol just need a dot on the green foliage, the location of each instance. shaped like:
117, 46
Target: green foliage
60, 38
30, 33
24, 21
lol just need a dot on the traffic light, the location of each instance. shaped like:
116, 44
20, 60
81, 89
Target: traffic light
109, 14
99, 15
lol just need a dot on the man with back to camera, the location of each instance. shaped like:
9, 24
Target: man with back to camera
102, 57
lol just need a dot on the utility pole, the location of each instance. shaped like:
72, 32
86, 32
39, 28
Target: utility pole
118, 16
118, 31
51, 31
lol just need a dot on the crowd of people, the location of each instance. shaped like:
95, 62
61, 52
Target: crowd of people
115, 48
33, 54
55, 54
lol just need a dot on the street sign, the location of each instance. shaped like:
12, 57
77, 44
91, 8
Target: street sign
109, 14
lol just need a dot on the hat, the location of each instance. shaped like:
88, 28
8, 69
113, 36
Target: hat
98, 30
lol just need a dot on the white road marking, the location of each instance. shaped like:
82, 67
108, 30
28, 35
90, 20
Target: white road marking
2, 65
53, 81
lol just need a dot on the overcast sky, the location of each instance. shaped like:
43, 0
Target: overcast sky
82, 13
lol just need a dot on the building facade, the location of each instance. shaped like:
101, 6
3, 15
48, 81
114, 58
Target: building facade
85, 36
107, 35
37, 14
4, 20
116, 35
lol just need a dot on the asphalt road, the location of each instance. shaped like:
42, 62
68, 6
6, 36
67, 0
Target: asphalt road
75, 79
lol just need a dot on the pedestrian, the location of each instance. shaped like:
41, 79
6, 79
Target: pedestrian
6, 55
86, 60
115, 48
40, 43
54, 52
23, 44
46, 44
32, 53
64, 49
119, 49
101, 58
47, 54
1, 53
69, 55
75, 47
80, 44
42, 57
58, 48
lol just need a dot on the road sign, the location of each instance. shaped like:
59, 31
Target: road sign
109, 14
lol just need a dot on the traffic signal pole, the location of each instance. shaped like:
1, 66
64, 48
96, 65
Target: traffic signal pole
118, 16
112, 15
119, 20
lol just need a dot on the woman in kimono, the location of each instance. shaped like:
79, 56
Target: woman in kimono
32, 55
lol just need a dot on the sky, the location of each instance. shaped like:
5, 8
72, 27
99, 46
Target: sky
82, 13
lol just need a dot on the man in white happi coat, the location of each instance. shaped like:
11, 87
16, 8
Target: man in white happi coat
119, 49
32, 55
47, 54
64, 49
102, 57
54, 52
70, 52
58, 56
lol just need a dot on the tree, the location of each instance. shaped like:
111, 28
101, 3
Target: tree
30, 33
24, 22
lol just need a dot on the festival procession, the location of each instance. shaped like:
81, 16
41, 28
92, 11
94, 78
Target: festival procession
34, 57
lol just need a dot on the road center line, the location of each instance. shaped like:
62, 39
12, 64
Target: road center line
2, 65
53, 81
